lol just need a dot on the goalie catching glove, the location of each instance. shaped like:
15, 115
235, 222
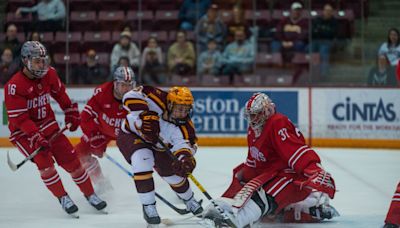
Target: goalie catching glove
72, 116
185, 163
319, 180
150, 128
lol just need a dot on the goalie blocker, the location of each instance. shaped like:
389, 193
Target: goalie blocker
281, 179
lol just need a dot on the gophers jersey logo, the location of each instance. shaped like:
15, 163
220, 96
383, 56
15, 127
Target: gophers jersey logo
256, 154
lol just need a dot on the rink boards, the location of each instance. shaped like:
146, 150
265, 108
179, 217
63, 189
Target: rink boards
347, 117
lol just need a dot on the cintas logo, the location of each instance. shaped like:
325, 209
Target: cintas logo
367, 111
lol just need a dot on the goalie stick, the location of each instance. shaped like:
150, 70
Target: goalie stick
15, 167
129, 173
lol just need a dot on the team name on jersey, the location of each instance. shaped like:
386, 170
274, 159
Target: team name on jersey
114, 122
39, 101
256, 154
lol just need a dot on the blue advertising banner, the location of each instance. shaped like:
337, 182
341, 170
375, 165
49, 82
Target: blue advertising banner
221, 112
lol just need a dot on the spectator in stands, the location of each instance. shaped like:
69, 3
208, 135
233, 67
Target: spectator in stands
181, 55
391, 48
292, 33
210, 26
50, 15
125, 47
324, 30
210, 61
237, 22
35, 36
91, 72
152, 63
11, 41
191, 11
8, 66
382, 74
238, 57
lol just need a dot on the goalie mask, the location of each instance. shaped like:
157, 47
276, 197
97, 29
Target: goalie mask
180, 104
124, 81
35, 59
257, 110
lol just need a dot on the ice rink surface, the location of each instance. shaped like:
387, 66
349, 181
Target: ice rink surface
365, 178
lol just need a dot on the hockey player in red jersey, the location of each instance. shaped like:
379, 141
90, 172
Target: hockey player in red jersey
281, 177
393, 215
157, 115
101, 121
32, 122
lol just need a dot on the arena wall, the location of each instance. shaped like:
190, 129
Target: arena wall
328, 117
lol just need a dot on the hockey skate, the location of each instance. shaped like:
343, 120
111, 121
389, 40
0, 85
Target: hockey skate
68, 206
194, 206
222, 216
97, 203
151, 216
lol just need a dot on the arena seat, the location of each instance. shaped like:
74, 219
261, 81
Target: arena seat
83, 21
103, 58
211, 80
100, 41
167, 19
260, 15
145, 16
13, 5
111, 20
190, 35
60, 59
75, 39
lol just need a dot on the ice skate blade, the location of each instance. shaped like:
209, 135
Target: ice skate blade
74, 215
153, 225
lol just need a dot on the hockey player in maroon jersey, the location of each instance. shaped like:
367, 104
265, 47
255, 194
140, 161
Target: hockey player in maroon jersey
101, 121
393, 215
281, 177
157, 115
32, 122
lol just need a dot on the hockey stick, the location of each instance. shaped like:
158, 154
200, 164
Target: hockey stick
197, 183
15, 167
177, 210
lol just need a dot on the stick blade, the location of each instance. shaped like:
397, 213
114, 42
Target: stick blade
12, 166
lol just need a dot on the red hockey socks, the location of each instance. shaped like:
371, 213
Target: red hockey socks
52, 181
393, 215
80, 176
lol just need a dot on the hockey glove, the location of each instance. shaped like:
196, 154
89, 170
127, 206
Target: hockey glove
98, 143
150, 128
185, 163
72, 116
38, 140
319, 180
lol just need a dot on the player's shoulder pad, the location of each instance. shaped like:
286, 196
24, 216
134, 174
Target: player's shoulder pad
135, 93
17, 85
278, 120
153, 90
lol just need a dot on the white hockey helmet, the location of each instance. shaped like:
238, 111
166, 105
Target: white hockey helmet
34, 57
124, 80
257, 110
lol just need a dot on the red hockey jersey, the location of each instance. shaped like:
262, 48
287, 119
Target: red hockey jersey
280, 147
103, 113
28, 103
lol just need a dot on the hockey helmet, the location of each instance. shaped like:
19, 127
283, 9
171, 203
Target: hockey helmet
124, 80
35, 58
180, 104
257, 110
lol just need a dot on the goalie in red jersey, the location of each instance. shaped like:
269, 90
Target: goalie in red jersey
281, 179
101, 122
32, 123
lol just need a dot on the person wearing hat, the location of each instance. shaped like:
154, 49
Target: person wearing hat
125, 47
291, 32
